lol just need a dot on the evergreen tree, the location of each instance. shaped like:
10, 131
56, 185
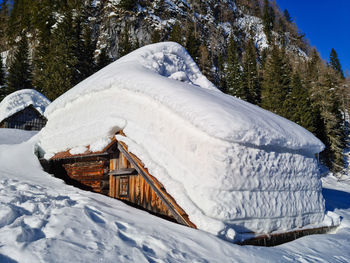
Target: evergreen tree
250, 77
233, 73
4, 18
176, 33
84, 51
43, 20
2, 72
20, 17
125, 45
298, 105
204, 61
268, 19
335, 63
2, 80
192, 44
333, 121
325, 101
156, 38
20, 72
222, 81
103, 59
59, 65
128, 5
287, 16
276, 83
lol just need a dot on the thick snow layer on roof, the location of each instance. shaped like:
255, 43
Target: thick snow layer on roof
21, 99
230, 165
148, 71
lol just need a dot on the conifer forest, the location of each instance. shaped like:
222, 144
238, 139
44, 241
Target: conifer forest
250, 49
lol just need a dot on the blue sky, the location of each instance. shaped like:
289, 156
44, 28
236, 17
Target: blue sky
326, 24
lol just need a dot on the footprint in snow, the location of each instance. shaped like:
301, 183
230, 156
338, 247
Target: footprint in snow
93, 215
29, 234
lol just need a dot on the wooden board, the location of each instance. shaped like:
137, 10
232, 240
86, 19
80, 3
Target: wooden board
159, 191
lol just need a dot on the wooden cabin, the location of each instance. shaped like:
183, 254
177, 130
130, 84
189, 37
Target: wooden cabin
116, 172
120, 174
27, 119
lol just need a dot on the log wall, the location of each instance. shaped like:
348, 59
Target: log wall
93, 174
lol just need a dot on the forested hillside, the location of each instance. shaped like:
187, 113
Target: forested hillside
249, 48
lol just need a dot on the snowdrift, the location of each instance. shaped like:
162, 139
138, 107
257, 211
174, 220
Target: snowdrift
232, 166
21, 99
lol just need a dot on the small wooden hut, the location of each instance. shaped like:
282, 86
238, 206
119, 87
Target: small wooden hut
27, 119
23, 109
116, 172
236, 170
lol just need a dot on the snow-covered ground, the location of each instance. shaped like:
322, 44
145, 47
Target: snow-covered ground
44, 220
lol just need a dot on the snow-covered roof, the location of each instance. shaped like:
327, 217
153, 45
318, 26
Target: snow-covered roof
20, 100
230, 165
148, 71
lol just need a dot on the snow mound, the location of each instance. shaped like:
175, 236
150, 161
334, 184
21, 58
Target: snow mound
229, 164
21, 99
15, 136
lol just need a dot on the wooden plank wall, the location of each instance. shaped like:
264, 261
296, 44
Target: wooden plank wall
140, 193
88, 173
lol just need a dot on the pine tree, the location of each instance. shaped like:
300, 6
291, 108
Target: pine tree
176, 33
156, 36
276, 83
128, 5
204, 61
233, 73
125, 45
4, 18
222, 81
2, 80
287, 16
268, 20
58, 73
192, 43
325, 101
20, 17
84, 51
20, 72
335, 63
298, 105
2, 72
250, 77
333, 122
103, 59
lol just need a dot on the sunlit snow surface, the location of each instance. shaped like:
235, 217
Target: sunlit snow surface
229, 164
44, 220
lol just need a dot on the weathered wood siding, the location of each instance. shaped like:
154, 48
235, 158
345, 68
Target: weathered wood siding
133, 188
119, 174
92, 174
27, 119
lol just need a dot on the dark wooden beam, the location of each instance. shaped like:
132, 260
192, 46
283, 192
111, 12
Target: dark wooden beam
123, 171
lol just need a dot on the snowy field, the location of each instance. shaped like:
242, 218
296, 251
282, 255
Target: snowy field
44, 220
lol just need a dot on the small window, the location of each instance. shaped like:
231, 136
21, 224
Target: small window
123, 186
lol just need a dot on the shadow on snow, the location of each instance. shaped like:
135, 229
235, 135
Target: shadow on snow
336, 199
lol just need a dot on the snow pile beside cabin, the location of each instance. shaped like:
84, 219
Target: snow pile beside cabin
19, 100
232, 166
